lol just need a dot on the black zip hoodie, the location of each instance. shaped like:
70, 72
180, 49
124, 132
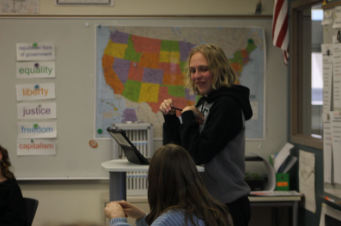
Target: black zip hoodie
218, 143
223, 121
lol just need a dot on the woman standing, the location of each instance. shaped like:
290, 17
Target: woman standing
213, 131
12, 205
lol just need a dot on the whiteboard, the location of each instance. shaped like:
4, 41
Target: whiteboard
74, 40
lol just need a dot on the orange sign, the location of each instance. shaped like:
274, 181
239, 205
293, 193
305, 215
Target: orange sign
282, 184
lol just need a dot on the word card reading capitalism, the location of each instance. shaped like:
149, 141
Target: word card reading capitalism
36, 146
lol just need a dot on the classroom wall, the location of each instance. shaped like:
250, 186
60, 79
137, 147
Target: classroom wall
157, 7
74, 201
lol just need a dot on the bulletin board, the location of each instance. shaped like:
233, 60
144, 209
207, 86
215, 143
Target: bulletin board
331, 152
75, 88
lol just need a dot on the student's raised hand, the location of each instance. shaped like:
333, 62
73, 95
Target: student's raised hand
114, 210
165, 107
131, 210
197, 114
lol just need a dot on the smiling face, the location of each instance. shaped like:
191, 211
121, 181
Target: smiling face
200, 73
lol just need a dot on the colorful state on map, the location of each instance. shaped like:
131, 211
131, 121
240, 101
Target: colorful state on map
146, 69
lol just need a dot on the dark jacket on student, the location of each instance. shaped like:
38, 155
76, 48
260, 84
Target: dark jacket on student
219, 143
12, 205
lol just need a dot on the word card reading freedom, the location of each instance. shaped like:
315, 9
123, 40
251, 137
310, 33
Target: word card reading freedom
37, 130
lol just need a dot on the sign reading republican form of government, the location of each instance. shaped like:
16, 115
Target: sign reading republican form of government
35, 51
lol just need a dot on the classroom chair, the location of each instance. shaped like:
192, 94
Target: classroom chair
31, 208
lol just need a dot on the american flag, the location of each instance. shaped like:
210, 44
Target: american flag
280, 32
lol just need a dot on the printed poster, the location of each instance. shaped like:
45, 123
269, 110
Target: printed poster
327, 17
37, 129
39, 69
37, 110
335, 120
36, 147
19, 6
327, 148
41, 91
336, 73
35, 51
307, 179
327, 53
337, 17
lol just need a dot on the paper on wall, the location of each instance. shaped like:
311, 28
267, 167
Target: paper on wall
336, 73
327, 17
36, 69
335, 120
41, 110
35, 51
38, 91
307, 179
327, 149
36, 147
327, 53
19, 6
337, 17
37, 130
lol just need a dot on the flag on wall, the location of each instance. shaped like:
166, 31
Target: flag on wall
280, 32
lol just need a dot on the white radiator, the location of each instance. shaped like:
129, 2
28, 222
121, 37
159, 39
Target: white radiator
141, 135
137, 183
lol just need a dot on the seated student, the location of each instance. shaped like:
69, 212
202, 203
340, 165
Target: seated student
12, 205
176, 195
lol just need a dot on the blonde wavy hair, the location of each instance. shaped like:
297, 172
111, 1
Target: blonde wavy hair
218, 65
